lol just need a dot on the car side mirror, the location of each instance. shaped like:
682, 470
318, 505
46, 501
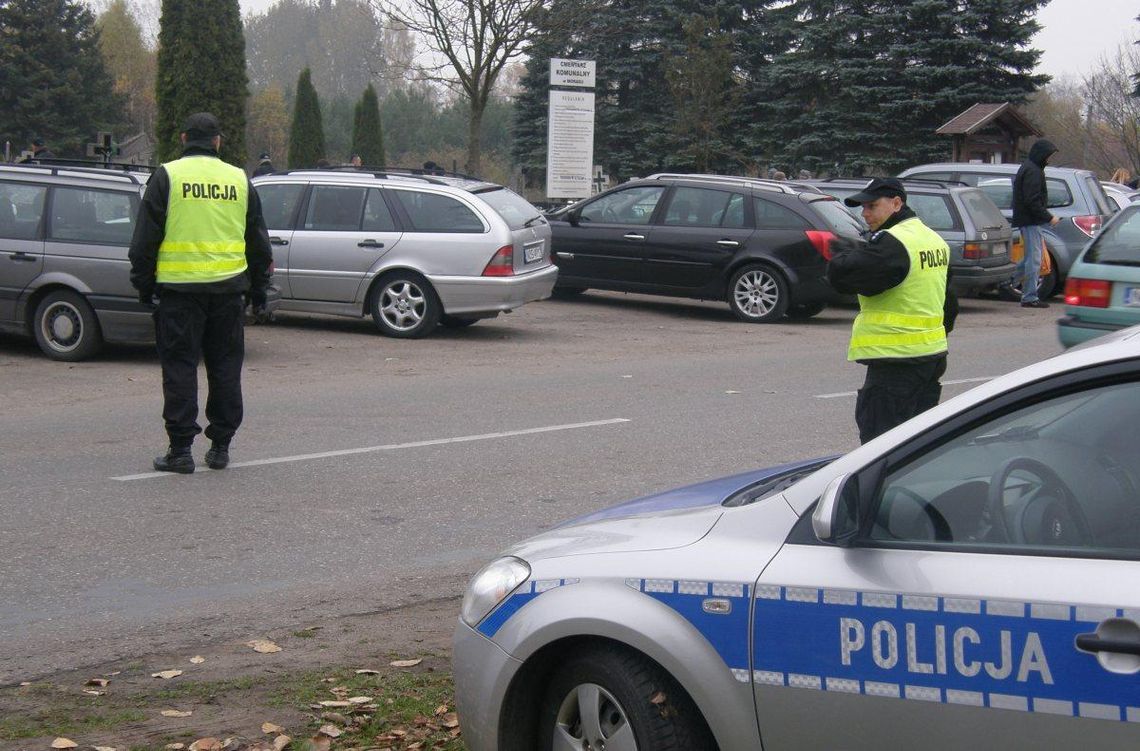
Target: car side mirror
836, 516
574, 217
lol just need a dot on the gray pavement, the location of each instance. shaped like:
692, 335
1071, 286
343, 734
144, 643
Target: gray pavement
372, 472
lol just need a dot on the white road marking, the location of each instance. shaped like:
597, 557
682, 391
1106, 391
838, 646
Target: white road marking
944, 383
395, 447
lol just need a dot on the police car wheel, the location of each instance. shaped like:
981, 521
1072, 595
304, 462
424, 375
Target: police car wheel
1039, 510
758, 294
608, 699
405, 306
65, 327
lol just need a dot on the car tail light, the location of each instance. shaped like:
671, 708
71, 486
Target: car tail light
1088, 293
821, 239
502, 263
1090, 224
974, 251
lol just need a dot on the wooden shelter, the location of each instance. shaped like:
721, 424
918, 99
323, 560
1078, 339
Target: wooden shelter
988, 133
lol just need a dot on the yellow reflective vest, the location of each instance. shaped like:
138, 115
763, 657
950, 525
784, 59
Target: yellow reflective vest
906, 320
205, 222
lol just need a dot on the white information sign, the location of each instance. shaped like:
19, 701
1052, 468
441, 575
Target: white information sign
570, 148
572, 72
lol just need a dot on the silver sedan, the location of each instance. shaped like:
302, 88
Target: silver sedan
965, 580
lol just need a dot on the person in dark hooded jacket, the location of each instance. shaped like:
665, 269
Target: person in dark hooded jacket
1031, 215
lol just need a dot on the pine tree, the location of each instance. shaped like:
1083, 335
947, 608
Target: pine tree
367, 136
306, 136
201, 68
53, 82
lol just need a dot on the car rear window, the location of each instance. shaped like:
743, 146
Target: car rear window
934, 210
431, 212
837, 218
981, 210
1000, 191
1119, 243
515, 210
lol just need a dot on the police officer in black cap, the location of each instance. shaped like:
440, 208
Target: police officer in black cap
200, 245
40, 151
264, 165
901, 274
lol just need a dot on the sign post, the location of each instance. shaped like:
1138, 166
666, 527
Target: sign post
570, 129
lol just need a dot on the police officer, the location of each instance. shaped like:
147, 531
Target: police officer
200, 244
264, 165
905, 307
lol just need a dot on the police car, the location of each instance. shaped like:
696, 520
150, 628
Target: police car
969, 579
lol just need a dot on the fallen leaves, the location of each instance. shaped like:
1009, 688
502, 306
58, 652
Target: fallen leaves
166, 674
264, 646
174, 713
97, 682
62, 742
269, 728
197, 660
206, 744
332, 731
406, 663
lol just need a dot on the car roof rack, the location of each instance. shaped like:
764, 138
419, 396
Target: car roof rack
84, 168
776, 186
384, 173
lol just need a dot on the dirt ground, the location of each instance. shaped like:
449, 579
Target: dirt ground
233, 689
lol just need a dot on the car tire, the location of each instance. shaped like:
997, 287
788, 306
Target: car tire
637, 706
456, 322
567, 292
805, 310
65, 327
405, 306
758, 294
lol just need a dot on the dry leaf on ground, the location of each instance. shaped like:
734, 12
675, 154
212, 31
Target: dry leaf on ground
206, 744
93, 692
166, 674
319, 743
332, 731
269, 728
367, 671
197, 660
64, 743
263, 646
99, 682
406, 663
174, 746
174, 713
335, 703
105, 748
281, 741
360, 699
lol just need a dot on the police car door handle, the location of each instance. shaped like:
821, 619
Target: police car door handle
278, 241
728, 243
369, 244
1093, 643
19, 255
633, 236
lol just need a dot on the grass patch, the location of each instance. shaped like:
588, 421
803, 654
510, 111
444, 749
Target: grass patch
205, 691
65, 720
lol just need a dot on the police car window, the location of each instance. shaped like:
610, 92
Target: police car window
335, 208
21, 209
771, 215
629, 206
700, 207
432, 212
279, 204
377, 217
934, 211
91, 216
1058, 477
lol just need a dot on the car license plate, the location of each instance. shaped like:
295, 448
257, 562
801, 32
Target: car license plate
534, 253
1132, 297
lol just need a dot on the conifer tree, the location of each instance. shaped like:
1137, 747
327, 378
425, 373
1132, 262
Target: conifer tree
201, 68
306, 136
367, 136
53, 82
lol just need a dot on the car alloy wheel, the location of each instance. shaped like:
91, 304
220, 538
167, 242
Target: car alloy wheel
404, 305
758, 295
66, 327
591, 718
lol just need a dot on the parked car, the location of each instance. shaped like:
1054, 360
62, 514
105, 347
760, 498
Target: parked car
1075, 196
762, 246
1119, 196
959, 582
65, 280
978, 235
412, 251
1102, 292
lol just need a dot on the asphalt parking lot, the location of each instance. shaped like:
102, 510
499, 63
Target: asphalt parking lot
373, 472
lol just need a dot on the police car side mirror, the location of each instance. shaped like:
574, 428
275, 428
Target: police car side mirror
836, 518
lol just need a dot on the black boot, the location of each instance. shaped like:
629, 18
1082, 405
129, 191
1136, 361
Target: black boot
218, 457
177, 459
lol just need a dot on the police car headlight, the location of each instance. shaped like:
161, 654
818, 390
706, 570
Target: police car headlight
491, 586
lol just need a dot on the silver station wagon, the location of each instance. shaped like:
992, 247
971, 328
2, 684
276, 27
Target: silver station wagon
964, 581
411, 250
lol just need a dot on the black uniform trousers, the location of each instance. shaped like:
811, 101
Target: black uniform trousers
895, 391
200, 326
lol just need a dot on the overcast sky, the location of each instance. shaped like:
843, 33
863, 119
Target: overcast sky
1075, 35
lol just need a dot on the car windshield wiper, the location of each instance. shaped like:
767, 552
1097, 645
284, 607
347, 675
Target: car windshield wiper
1016, 433
532, 220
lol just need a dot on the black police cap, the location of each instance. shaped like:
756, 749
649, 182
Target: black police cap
201, 126
879, 187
